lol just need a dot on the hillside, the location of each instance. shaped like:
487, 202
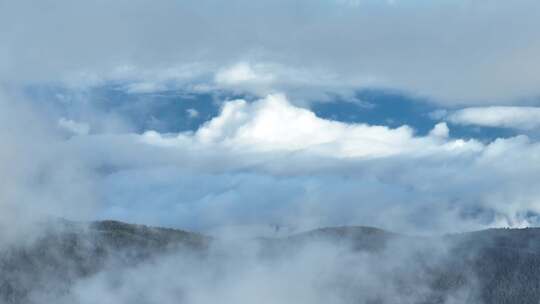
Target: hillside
491, 266
68, 251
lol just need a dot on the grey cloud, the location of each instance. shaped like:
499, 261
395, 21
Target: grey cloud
39, 181
455, 52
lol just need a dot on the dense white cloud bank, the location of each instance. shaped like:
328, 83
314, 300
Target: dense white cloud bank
522, 118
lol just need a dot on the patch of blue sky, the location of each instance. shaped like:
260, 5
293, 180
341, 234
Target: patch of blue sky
172, 111
165, 111
394, 109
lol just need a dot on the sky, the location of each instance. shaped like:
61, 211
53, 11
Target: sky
234, 117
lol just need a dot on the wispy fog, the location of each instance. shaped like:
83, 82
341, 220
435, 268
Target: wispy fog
360, 266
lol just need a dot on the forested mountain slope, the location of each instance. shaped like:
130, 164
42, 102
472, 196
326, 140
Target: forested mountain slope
491, 266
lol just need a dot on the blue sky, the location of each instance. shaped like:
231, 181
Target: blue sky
171, 111
238, 116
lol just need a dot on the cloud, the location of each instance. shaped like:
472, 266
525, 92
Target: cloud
77, 128
344, 47
240, 73
440, 130
266, 162
318, 272
39, 180
521, 118
302, 84
192, 113
272, 124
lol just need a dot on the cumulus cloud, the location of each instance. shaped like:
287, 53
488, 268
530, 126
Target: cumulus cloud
440, 130
274, 124
521, 118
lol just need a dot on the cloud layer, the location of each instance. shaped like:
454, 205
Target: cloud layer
266, 157
481, 53
268, 162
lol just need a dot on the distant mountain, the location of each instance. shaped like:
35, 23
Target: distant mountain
503, 265
494, 266
355, 238
68, 251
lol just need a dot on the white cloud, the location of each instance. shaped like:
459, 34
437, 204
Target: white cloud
241, 73
440, 130
522, 118
76, 128
266, 162
192, 113
264, 78
273, 124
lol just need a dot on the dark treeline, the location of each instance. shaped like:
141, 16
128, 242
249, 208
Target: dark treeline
491, 266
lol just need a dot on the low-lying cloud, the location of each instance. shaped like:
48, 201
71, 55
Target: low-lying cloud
316, 272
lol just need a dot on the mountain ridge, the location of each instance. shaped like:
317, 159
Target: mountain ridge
503, 264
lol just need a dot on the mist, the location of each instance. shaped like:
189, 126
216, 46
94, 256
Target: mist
318, 273
364, 266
